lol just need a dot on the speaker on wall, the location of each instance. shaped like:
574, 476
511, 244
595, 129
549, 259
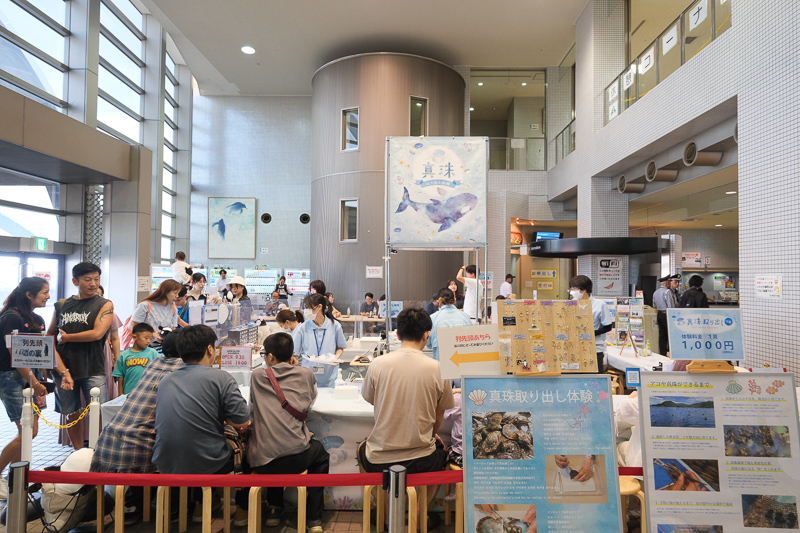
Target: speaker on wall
305, 218
266, 218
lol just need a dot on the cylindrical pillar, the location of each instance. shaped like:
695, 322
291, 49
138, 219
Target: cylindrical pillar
397, 499
26, 422
17, 517
94, 417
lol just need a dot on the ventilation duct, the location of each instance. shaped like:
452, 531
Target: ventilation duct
653, 173
702, 158
626, 187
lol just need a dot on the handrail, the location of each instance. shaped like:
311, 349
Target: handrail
568, 135
510, 162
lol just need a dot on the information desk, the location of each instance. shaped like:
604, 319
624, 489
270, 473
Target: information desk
628, 359
369, 323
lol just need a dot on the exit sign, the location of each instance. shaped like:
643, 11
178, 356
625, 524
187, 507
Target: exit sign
41, 244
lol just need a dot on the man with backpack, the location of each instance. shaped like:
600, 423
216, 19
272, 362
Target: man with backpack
83, 324
694, 297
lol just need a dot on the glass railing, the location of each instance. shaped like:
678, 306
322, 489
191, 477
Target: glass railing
516, 153
693, 30
565, 142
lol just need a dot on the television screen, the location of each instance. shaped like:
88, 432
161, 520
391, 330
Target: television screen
547, 235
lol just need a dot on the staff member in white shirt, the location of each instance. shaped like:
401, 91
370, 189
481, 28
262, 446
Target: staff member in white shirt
318, 335
222, 282
468, 275
505, 288
179, 267
580, 288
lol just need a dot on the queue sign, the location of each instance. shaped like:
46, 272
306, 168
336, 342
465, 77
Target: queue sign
705, 334
469, 351
33, 351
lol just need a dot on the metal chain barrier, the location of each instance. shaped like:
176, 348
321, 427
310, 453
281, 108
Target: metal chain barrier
59, 426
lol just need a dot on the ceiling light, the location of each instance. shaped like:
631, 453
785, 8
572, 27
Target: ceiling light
419, 104
718, 225
472, 109
524, 84
249, 50
731, 192
480, 84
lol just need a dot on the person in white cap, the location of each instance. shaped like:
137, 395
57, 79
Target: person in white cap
505, 288
237, 292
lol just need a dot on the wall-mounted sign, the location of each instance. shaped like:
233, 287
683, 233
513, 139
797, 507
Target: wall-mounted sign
698, 14
648, 60
549, 274
469, 351
375, 272
613, 91
692, 260
669, 40
769, 286
40, 244
628, 78
609, 277
544, 285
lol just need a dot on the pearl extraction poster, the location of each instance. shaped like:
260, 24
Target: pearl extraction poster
539, 455
720, 451
436, 191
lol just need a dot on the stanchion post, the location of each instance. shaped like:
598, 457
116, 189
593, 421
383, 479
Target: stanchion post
26, 422
17, 497
397, 498
94, 417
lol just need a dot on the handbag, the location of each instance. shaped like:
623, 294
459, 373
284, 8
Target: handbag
281, 398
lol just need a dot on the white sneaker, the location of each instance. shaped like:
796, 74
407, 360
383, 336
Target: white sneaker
3, 489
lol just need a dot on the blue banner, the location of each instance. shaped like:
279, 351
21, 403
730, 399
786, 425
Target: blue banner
539, 455
705, 334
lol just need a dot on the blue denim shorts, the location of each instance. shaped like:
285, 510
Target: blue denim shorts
69, 401
11, 385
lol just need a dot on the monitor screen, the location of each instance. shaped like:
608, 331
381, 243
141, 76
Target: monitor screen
547, 235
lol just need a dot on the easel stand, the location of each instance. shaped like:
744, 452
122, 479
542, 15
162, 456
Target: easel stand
705, 366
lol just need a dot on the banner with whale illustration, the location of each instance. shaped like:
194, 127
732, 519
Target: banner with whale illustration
437, 191
231, 228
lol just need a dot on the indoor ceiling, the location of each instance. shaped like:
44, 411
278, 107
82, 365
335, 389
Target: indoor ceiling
491, 91
293, 39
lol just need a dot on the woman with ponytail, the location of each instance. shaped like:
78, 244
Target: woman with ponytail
17, 314
320, 334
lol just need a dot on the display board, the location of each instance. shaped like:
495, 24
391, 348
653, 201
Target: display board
542, 455
297, 279
261, 280
629, 316
705, 333
436, 191
548, 335
720, 451
213, 277
32, 351
468, 351
158, 274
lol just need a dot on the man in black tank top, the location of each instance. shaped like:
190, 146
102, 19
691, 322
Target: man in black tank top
83, 324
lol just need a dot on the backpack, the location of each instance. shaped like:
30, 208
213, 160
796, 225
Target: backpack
126, 334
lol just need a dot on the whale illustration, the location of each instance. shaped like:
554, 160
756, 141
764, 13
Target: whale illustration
236, 208
220, 227
446, 214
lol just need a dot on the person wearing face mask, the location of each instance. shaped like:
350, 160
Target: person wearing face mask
319, 334
237, 292
288, 320
580, 288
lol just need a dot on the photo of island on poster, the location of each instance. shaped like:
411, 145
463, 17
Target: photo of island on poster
682, 411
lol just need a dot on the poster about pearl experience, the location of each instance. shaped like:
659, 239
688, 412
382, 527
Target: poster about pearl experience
437, 191
720, 452
539, 455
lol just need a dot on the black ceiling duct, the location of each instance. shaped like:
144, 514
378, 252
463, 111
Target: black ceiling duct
593, 246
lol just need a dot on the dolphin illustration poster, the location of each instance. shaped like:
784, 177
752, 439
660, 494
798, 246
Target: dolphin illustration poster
231, 228
437, 191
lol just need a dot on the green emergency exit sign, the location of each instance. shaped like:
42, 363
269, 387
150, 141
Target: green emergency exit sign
41, 244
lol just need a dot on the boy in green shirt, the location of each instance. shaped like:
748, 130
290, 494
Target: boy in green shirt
132, 361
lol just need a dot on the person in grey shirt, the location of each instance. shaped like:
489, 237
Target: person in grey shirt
193, 404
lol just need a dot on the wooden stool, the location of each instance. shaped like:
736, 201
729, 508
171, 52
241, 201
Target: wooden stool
254, 508
162, 509
630, 486
302, 499
459, 503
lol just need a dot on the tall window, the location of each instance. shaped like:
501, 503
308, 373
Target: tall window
119, 102
348, 225
32, 48
350, 129
418, 117
170, 164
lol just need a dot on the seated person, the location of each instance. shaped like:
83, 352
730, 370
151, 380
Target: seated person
369, 307
273, 306
280, 443
131, 363
192, 405
455, 453
336, 312
410, 400
433, 305
126, 443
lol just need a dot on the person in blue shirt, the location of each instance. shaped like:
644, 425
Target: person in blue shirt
580, 288
318, 335
447, 317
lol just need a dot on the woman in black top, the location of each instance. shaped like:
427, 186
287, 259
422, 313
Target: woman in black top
17, 314
198, 284
282, 289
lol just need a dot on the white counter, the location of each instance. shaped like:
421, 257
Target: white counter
628, 359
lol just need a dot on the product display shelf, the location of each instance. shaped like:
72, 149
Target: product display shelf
297, 279
261, 281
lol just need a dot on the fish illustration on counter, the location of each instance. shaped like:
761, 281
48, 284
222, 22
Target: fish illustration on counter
446, 214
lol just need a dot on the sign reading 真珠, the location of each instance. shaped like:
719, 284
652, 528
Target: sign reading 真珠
33, 351
705, 334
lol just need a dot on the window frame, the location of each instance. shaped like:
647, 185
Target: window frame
343, 129
342, 202
411, 101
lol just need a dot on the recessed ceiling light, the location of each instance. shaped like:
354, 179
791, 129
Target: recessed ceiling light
249, 50
524, 84
718, 225
731, 192
419, 104
472, 109
480, 84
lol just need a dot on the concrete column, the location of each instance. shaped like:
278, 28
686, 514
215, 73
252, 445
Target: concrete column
83, 57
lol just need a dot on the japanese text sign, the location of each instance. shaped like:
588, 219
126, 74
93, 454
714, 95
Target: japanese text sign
33, 351
705, 334
235, 357
468, 350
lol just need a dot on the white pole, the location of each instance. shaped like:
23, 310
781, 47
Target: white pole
27, 426
94, 417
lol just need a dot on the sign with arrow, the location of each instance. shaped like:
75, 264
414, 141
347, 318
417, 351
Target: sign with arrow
469, 351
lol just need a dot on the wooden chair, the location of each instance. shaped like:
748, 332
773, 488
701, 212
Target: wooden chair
630, 486
254, 508
459, 503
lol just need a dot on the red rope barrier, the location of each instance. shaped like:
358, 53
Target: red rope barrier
631, 471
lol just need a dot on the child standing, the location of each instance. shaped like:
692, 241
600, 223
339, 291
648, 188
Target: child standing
132, 361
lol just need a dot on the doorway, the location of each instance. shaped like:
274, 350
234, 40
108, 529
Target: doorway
17, 265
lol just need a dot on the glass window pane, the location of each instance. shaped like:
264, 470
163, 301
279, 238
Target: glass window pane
55, 9
166, 248
28, 27
418, 117
121, 62
697, 24
349, 221
116, 119
647, 70
169, 110
670, 45
350, 129
120, 31
29, 68
171, 66
628, 88
169, 157
167, 179
722, 16
23, 223
497, 153
169, 87
32, 195
166, 225
113, 86
169, 133
9, 265
130, 11
167, 202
